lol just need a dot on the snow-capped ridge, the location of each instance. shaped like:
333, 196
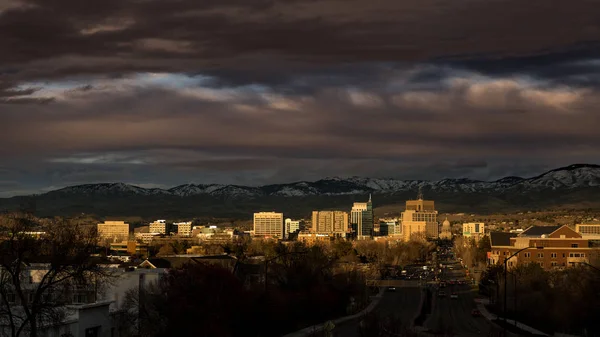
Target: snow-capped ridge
569, 177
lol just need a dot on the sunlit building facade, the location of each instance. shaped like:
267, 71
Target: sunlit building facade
420, 218
113, 231
362, 219
269, 225
330, 222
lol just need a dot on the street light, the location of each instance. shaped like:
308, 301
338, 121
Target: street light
515, 295
505, 279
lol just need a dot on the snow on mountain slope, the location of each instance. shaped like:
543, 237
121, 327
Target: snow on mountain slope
578, 175
108, 189
570, 177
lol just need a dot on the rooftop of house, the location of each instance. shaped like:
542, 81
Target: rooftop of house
501, 238
538, 231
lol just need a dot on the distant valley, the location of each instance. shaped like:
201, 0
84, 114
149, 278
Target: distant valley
576, 186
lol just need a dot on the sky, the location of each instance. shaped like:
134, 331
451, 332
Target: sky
160, 93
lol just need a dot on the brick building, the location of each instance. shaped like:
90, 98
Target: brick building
549, 246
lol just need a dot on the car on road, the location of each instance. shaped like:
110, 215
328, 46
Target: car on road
475, 313
454, 295
442, 294
391, 289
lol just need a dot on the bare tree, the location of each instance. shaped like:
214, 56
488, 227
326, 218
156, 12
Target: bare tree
40, 270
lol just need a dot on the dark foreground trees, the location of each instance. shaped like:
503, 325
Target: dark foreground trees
204, 300
42, 263
565, 301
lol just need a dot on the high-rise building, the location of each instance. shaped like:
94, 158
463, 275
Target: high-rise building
158, 226
184, 228
291, 226
419, 218
113, 231
269, 224
330, 222
361, 219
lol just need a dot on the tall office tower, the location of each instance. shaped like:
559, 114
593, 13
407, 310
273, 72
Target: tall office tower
113, 231
269, 224
158, 226
330, 222
420, 217
291, 226
361, 219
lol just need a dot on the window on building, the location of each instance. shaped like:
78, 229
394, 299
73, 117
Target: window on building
540, 255
541, 264
553, 255
582, 254
563, 254
527, 254
574, 245
554, 264
79, 298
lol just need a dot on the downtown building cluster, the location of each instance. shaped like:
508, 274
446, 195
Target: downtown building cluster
418, 220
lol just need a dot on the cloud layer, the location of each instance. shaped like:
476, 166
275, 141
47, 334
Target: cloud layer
254, 92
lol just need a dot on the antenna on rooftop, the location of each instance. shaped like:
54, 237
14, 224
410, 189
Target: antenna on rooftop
420, 195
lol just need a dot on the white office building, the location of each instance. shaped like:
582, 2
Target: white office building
291, 226
475, 230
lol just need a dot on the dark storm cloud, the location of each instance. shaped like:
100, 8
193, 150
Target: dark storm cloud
253, 41
576, 65
258, 92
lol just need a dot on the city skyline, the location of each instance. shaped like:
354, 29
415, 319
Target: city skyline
257, 92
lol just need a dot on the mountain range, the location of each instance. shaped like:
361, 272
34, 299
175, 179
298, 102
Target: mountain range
572, 186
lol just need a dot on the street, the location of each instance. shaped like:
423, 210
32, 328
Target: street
400, 305
453, 316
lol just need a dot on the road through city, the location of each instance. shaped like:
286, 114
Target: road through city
453, 316
400, 305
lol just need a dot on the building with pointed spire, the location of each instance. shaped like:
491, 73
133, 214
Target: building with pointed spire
419, 218
361, 219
